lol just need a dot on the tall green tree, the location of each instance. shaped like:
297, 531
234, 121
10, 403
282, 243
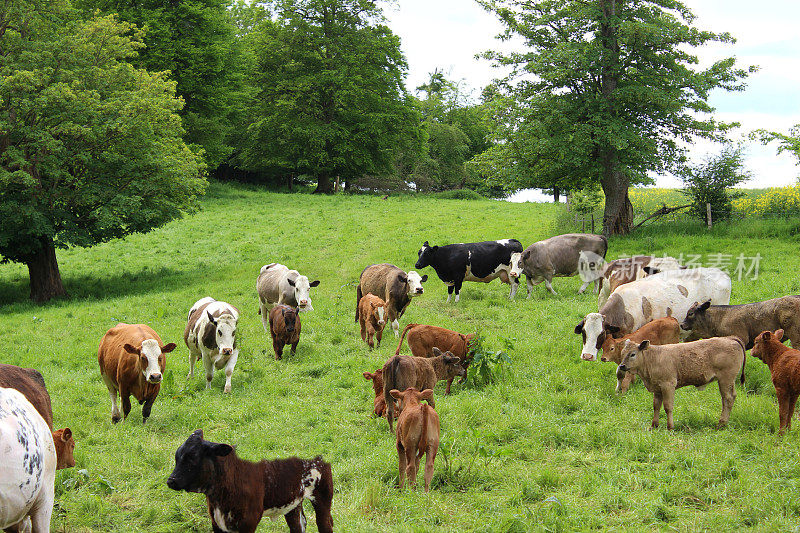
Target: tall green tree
331, 96
612, 88
90, 147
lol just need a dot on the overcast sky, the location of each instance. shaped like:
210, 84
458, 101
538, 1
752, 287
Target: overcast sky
447, 34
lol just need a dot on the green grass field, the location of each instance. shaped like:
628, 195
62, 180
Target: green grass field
550, 448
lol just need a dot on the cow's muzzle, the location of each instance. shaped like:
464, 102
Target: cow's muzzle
381, 322
622, 368
604, 359
154, 378
227, 351
588, 357
173, 484
513, 274
419, 291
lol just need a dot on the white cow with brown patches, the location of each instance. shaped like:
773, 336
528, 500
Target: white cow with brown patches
278, 285
632, 305
210, 335
27, 465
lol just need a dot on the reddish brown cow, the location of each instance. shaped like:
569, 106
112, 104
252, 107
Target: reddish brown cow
132, 362
379, 407
284, 326
372, 318
239, 492
784, 365
423, 339
31, 384
417, 435
665, 330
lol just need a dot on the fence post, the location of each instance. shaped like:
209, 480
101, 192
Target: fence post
592, 222
708, 214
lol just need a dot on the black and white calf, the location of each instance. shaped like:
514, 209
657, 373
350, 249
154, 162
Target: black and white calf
210, 335
239, 493
476, 261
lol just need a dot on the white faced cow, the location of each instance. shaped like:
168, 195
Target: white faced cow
277, 285
27, 465
669, 293
210, 335
393, 286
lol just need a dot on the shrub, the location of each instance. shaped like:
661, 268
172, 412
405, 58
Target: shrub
486, 366
458, 194
710, 183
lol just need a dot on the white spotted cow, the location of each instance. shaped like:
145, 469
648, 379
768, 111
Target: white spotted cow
277, 285
669, 293
27, 465
210, 335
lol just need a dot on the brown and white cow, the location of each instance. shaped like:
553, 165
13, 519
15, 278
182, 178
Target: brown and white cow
31, 384
417, 434
628, 269
379, 403
239, 493
371, 318
132, 362
393, 286
210, 335
422, 339
278, 285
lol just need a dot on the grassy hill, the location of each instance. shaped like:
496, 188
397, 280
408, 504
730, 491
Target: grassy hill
549, 448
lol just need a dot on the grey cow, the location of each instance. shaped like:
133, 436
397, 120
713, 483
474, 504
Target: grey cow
277, 285
556, 257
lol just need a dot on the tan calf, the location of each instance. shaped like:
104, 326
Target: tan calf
379, 404
666, 368
423, 339
372, 318
660, 331
417, 435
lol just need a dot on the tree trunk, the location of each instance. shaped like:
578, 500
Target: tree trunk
618, 212
556, 194
290, 181
324, 185
45, 277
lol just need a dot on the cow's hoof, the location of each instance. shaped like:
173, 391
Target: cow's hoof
115, 419
226, 390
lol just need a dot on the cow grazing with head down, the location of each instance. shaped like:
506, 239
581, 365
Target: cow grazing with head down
379, 403
371, 318
475, 261
423, 339
132, 362
278, 285
393, 286
284, 326
239, 493
784, 366
417, 434
27, 465
31, 384
210, 335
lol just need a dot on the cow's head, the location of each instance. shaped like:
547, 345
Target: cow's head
612, 350
379, 312
452, 364
377, 380
697, 320
425, 255
594, 330
410, 397
195, 463
766, 343
302, 291
65, 448
290, 317
151, 358
590, 265
632, 355
413, 283
220, 332
516, 265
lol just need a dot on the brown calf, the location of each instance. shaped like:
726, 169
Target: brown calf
372, 318
284, 326
132, 362
423, 339
665, 330
31, 384
402, 371
417, 435
379, 404
784, 365
239, 492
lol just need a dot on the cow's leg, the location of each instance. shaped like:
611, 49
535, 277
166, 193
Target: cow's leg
277, 345
229, 366
514, 286
363, 325
294, 346
529, 286
450, 289
447, 389
296, 519
264, 312
370, 336
126, 402
669, 402
657, 401
549, 285
728, 393
402, 464
41, 513
430, 457
323, 511
208, 366
783, 408
457, 287
790, 414
192, 359
622, 386
112, 392
379, 336
412, 465
583, 287
146, 408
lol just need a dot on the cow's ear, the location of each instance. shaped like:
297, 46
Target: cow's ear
367, 375
451, 359
579, 327
779, 335
168, 347
645, 344
220, 449
425, 243
290, 281
314, 283
436, 352
402, 279
130, 349
427, 394
396, 394
423, 279
705, 305
612, 328
211, 317
198, 433
767, 335
66, 434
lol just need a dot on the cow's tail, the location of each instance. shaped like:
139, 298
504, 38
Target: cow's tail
389, 383
359, 295
423, 436
403, 336
744, 357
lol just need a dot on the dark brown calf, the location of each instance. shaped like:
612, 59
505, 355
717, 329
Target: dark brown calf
379, 404
372, 315
31, 384
784, 365
423, 339
417, 435
284, 326
239, 492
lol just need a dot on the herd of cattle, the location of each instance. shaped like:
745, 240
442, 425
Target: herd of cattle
668, 325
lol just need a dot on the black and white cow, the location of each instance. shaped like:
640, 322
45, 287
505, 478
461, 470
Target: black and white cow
477, 261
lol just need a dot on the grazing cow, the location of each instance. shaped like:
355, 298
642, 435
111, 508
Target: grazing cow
745, 321
394, 286
476, 261
557, 256
210, 335
784, 365
660, 331
371, 318
239, 492
379, 404
277, 285
132, 361
627, 269
31, 384
284, 326
417, 435
666, 368
27, 465
631, 306
402, 371
423, 339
